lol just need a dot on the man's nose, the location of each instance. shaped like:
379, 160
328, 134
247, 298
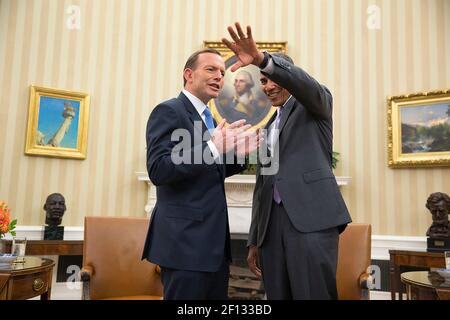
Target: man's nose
219, 75
270, 85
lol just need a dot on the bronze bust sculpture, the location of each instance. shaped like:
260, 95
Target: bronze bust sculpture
439, 205
55, 207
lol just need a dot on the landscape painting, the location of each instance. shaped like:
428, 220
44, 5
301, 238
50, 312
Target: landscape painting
425, 128
419, 129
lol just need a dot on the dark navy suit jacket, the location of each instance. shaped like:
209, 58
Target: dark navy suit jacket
189, 227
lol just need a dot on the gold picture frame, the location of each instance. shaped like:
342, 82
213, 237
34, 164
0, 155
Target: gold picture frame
57, 123
255, 107
419, 129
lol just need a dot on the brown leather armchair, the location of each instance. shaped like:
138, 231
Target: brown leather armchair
112, 265
353, 280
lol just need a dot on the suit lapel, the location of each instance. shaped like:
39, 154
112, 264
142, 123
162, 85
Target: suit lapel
287, 109
271, 120
195, 117
193, 114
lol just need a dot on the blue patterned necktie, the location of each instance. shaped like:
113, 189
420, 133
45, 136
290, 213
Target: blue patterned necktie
208, 119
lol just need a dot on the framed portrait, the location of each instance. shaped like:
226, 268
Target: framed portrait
57, 123
241, 97
419, 129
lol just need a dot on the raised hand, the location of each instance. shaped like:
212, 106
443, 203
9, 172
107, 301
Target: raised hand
244, 47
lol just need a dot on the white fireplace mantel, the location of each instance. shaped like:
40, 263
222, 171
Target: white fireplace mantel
239, 193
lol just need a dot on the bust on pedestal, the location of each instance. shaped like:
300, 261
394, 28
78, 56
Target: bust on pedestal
439, 232
54, 206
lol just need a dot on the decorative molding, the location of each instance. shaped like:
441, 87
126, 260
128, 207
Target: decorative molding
37, 233
239, 193
381, 244
238, 190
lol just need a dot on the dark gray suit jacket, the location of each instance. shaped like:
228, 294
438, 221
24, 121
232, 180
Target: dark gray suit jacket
305, 180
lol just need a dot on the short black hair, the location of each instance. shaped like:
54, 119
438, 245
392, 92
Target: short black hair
191, 62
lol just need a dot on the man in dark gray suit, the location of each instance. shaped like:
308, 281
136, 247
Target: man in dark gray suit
298, 211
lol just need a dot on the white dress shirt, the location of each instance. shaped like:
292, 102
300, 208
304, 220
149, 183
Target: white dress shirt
273, 138
200, 107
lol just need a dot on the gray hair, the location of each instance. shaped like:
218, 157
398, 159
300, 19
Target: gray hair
248, 77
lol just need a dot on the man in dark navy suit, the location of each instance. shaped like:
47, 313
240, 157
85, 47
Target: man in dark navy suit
188, 235
298, 211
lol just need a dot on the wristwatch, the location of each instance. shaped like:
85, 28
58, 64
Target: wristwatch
265, 60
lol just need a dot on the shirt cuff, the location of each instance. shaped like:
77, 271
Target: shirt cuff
213, 149
269, 68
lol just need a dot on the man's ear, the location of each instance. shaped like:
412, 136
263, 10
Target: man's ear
187, 74
45, 206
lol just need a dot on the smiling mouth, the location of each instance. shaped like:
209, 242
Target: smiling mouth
272, 95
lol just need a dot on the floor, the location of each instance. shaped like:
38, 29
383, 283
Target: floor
72, 291
65, 291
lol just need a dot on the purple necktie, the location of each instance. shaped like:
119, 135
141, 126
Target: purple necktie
276, 194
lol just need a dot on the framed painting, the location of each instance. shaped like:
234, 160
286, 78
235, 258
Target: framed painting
419, 129
57, 123
241, 97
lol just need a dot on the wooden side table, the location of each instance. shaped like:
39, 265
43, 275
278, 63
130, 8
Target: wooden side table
425, 285
51, 247
55, 247
26, 280
400, 258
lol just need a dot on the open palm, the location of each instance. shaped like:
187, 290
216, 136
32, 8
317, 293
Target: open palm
244, 47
